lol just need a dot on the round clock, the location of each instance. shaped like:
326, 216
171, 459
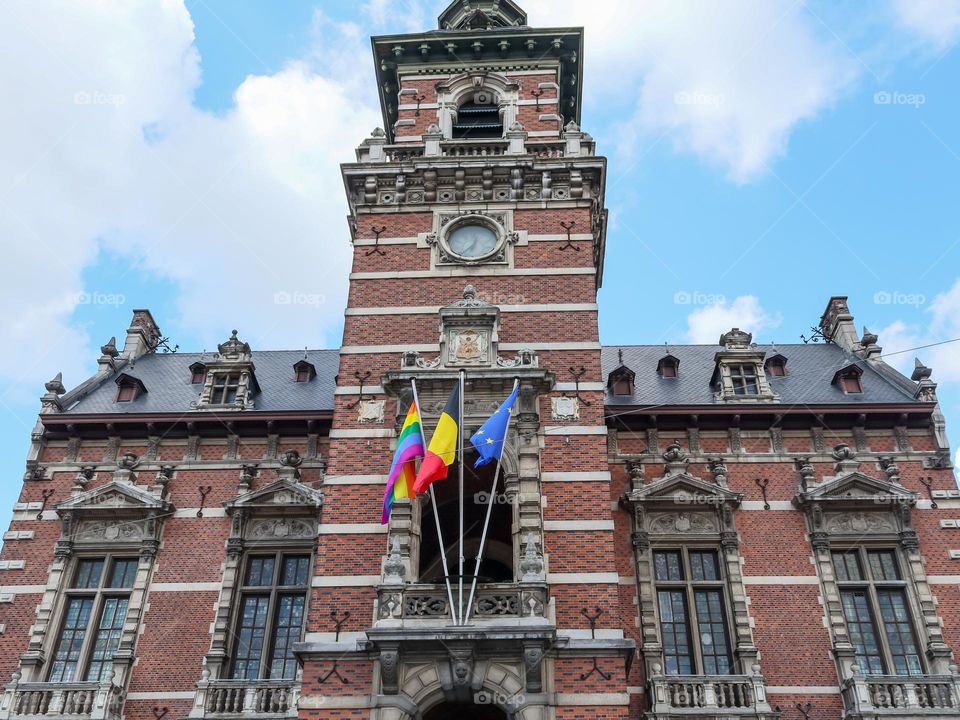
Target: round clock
472, 241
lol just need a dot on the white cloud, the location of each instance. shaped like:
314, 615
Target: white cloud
936, 22
103, 149
726, 81
944, 324
706, 325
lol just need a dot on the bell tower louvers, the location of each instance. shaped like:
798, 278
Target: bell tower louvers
478, 224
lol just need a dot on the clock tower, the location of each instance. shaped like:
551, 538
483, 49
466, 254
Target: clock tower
477, 210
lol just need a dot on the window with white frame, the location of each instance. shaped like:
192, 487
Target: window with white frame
95, 608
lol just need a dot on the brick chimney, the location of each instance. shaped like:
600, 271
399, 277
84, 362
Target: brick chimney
836, 324
142, 335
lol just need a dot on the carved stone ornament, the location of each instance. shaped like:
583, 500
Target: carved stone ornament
279, 529
564, 408
101, 530
467, 344
683, 522
532, 564
858, 523
371, 411
393, 568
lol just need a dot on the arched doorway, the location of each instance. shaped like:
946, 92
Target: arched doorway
464, 711
497, 562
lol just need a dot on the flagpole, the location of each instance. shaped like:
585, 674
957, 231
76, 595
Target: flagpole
436, 515
486, 522
460, 456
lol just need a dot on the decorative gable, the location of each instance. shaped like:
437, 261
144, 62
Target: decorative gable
281, 493
117, 513
739, 372
230, 382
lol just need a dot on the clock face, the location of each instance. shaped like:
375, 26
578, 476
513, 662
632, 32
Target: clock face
472, 241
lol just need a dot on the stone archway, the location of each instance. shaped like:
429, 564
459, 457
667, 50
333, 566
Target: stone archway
464, 711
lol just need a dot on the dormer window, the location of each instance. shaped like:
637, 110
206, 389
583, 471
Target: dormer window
198, 373
225, 389
848, 379
744, 379
129, 388
776, 366
668, 366
621, 381
304, 372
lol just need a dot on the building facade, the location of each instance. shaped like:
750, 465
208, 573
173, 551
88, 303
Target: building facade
737, 531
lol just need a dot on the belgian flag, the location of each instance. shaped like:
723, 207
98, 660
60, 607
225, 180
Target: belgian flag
443, 445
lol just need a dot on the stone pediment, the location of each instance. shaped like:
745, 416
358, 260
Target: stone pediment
684, 489
279, 494
856, 488
112, 498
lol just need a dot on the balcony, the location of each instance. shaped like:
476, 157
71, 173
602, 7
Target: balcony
696, 696
493, 601
411, 152
899, 696
68, 701
246, 698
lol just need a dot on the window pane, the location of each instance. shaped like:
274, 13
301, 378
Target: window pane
107, 639
883, 565
675, 628
668, 566
863, 634
296, 569
703, 565
713, 632
260, 571
253, 628
123, 573
67, 655
286, 632
88, 573
896, 624
847, 565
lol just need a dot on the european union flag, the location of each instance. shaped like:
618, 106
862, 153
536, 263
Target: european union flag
488, 440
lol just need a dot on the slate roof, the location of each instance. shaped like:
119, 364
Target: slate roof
810, 369
166, 377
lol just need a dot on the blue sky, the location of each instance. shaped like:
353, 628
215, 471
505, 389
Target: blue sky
183, 157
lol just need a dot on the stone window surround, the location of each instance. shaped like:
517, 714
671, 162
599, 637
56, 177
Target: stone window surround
498, 220
281, 516
94, 528
520, 470
458, 89
707, 524
880, 519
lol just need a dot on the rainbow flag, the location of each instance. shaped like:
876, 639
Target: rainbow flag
403, 470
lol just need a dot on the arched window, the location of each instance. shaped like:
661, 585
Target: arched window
497, 562
477, 121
